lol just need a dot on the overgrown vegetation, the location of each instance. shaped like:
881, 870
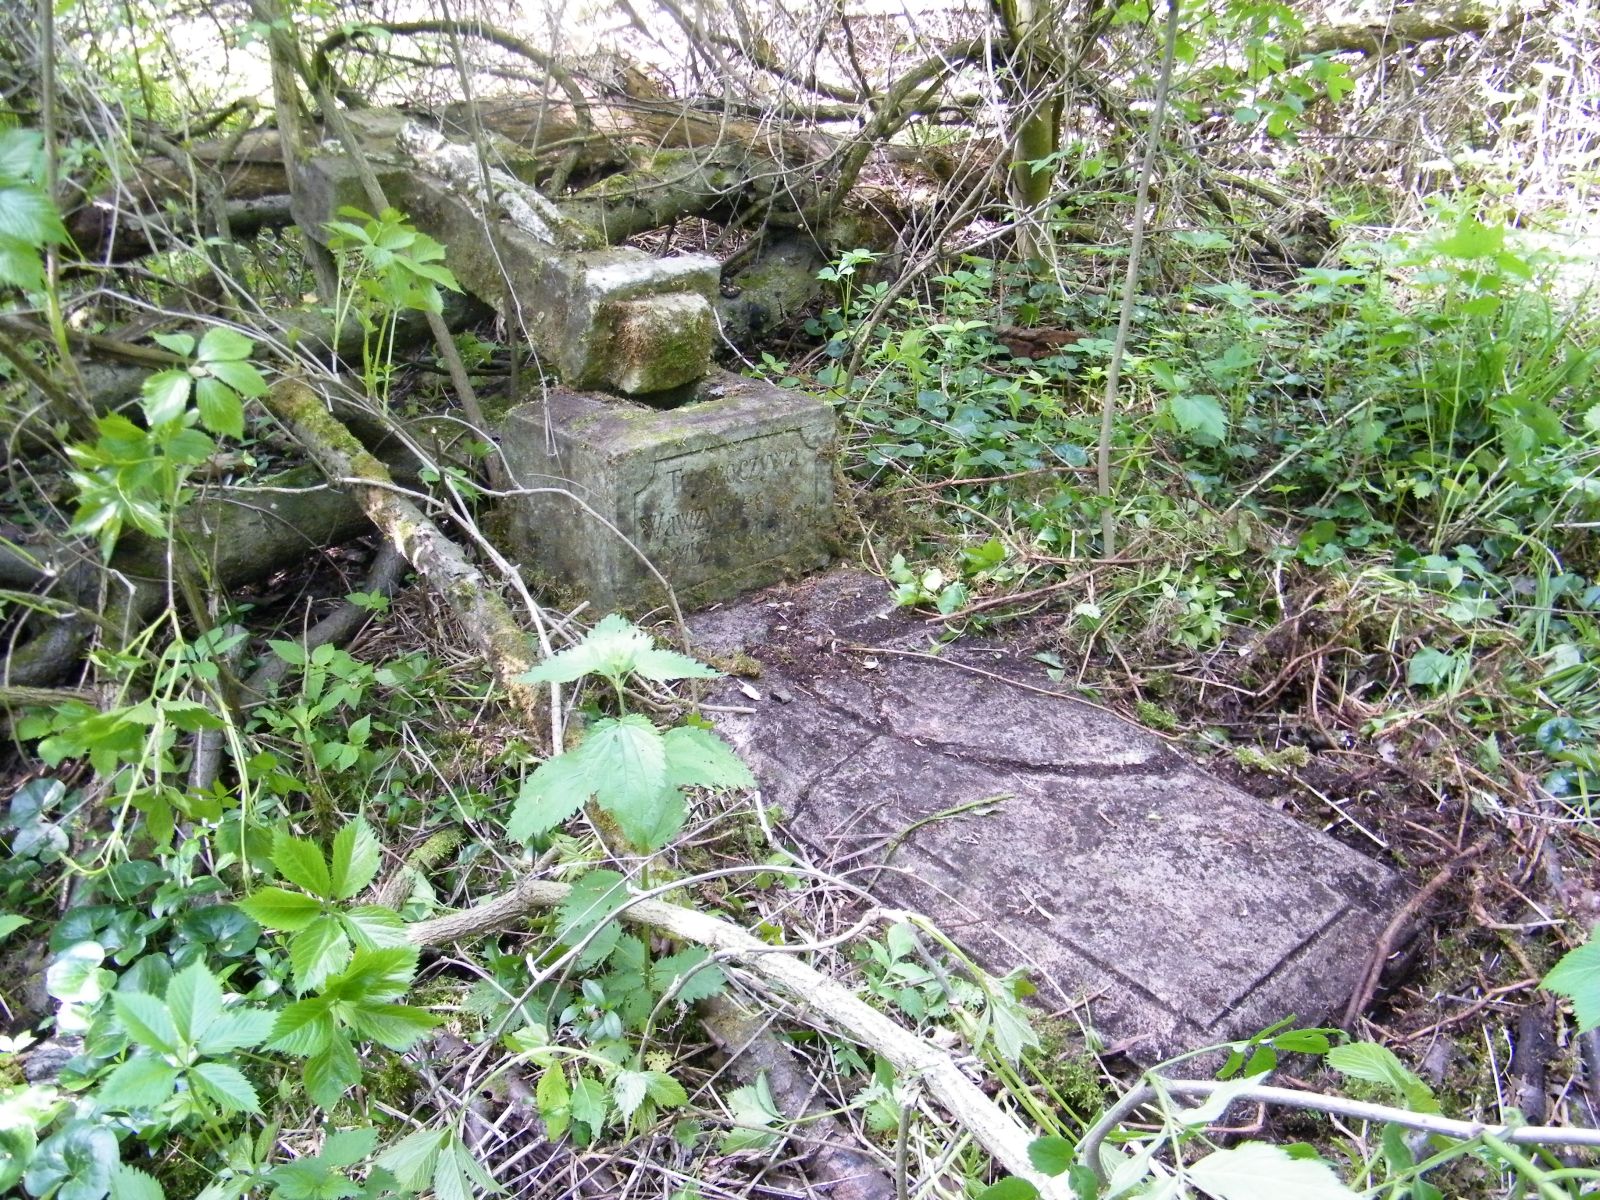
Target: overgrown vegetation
267, 924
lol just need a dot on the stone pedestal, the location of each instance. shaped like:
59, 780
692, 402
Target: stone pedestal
729, 492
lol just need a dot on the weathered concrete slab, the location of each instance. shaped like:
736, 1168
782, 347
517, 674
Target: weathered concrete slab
603, 317
1186, 911
731, 492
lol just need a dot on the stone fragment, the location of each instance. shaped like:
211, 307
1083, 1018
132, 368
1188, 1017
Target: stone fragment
1038, 831
604, 317
731, 491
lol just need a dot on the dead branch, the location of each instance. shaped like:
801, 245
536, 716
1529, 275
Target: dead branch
913, 1057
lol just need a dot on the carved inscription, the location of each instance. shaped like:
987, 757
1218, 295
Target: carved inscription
695, 501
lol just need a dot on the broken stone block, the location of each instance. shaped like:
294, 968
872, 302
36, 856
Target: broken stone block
729, 492
604, 317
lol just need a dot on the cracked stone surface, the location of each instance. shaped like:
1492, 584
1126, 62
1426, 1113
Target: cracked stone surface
1180, 910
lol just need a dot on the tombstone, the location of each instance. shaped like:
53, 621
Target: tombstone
644, 463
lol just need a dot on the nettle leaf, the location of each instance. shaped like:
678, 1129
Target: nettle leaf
221, 410
165, 396
554, 1099
21, 154
240, 376
130, 1183
146, 1020
236, 1029
753, 1113
594, 899
374, 928
21, 266
332, 1072
375, 975
194, 999
29, 216
1259, 1171
225, 1087
300, 861
554, 793
1577, 977
411, 1160
665, 1090
221, 344
304, 1027
279, 908
397, 1026
628, 1090
1201, 417
356, 856
698, 982
617, 648
626, 758
144, 1081
698, 757
1377, 1064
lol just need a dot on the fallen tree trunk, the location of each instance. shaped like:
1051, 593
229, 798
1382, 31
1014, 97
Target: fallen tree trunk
436, 559
240, 536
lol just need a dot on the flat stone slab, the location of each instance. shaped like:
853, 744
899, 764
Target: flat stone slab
1183, 910
730, 492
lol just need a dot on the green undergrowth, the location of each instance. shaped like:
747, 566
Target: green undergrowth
1369, 489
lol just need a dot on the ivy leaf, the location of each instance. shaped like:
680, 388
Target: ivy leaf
279, 908
1377, 1064
1009, 1188
356, 855
79, 1161
225, 1087
300, 861
1051, 1155
698, 757
1259, 1171
1430, 668
1577, 977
